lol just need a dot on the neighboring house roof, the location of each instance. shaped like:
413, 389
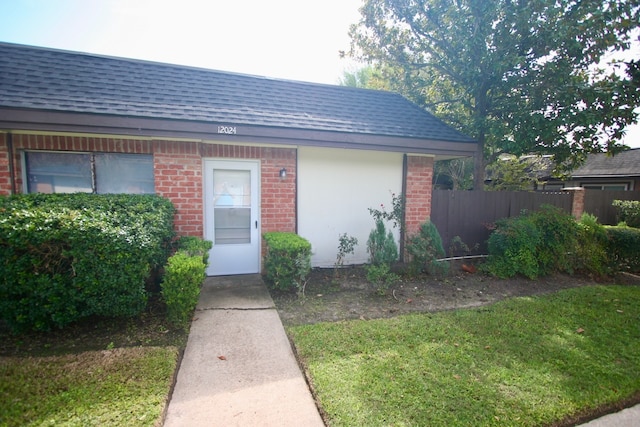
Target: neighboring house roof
602, 165
171, 100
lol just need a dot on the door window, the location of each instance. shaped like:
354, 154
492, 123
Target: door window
232, 206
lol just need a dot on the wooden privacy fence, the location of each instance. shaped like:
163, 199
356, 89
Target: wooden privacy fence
600, 203
471, 214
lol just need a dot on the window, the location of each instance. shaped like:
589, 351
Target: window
49, 172
613, 186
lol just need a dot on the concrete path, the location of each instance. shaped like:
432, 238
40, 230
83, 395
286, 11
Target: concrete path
629, 417
238, 368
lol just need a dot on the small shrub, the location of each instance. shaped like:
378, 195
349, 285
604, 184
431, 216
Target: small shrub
628, 212
395, 216
425, 248
591, 250
623, 247
181, 286
194, 246
346, 245
381, 277
287, 262
381, 245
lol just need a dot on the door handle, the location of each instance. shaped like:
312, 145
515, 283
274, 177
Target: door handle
256, 225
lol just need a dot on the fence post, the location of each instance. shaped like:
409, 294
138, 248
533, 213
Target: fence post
577, 201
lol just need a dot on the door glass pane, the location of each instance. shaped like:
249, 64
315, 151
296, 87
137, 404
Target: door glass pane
232, 206
124, 173
58, 172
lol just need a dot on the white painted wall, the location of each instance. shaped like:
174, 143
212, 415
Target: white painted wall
335, 188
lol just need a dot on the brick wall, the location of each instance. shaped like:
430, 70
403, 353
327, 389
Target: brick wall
5, 176
418, 192
177, 169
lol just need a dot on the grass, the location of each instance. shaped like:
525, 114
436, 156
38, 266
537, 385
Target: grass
125, 386
527, 362
103, 372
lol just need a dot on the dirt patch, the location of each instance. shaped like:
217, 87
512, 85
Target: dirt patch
331, 297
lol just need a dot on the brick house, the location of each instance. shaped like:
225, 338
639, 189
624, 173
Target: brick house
238, 155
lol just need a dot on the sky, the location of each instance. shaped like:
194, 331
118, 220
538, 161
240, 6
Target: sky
287, 39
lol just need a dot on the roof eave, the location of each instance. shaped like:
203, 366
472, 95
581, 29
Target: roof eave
56, 121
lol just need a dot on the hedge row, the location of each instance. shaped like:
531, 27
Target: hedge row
287, 262
64, 257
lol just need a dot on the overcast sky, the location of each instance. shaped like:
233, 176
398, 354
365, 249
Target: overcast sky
288, 39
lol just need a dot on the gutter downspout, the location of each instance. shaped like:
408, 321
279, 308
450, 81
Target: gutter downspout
12, 175
404, 203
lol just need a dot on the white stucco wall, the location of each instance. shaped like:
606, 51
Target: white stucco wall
335, 188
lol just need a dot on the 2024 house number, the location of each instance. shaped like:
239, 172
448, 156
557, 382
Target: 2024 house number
229, 130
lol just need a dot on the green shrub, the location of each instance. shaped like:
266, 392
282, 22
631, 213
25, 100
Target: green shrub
381, 277
381, 245
346, 245
425, 248
181, 285
533, 244
591, 250
628, 212
623, 247
64, 257
287, 262
194, 246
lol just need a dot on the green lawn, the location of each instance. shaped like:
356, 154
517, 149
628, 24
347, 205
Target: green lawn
114, 387
523, 362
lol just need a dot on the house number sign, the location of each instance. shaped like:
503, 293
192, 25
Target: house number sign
229, 130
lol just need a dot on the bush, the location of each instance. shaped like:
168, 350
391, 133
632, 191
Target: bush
628, 212
623, 247
64, 257
194, 246
287, 262
381, 245
425, 248
591, 254
182, 282
533, 244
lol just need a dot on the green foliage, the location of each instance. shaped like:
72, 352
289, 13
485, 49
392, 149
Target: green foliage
383, 252
194, 246
624, 248
346, 245
628, 211
519, 77
64, 257
455, 174
381, 245
533, 244
395, 216
511, 174
591, 250
425, 248
287, 262
181, 285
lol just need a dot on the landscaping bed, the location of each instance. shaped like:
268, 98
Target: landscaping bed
331, 296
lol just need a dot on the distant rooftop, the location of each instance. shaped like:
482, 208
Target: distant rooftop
602, 165
42, 79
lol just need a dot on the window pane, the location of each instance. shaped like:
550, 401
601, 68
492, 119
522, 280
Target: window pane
124, 173
232, 206
58, 172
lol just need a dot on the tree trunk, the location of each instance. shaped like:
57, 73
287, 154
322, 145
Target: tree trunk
479, 165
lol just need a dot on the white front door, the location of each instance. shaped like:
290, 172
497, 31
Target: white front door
232, 216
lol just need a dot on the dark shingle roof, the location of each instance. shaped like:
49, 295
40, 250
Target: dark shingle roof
601, 165
55, 80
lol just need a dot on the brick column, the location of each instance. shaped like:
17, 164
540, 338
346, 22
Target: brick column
418, 192
577, 203
5, 175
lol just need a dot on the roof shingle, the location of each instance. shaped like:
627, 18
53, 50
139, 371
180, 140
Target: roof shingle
55, 80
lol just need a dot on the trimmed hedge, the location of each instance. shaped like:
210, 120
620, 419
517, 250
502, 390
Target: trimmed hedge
628, 212
64, 257
623, 247
183, 278
288, 261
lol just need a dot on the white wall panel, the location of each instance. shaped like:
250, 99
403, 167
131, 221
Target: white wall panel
335, 188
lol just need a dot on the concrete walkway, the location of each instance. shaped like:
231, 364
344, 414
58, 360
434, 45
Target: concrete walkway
238, 368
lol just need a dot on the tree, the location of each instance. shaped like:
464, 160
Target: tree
520, 76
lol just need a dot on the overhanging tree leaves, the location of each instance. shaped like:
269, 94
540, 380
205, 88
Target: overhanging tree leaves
520, 76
